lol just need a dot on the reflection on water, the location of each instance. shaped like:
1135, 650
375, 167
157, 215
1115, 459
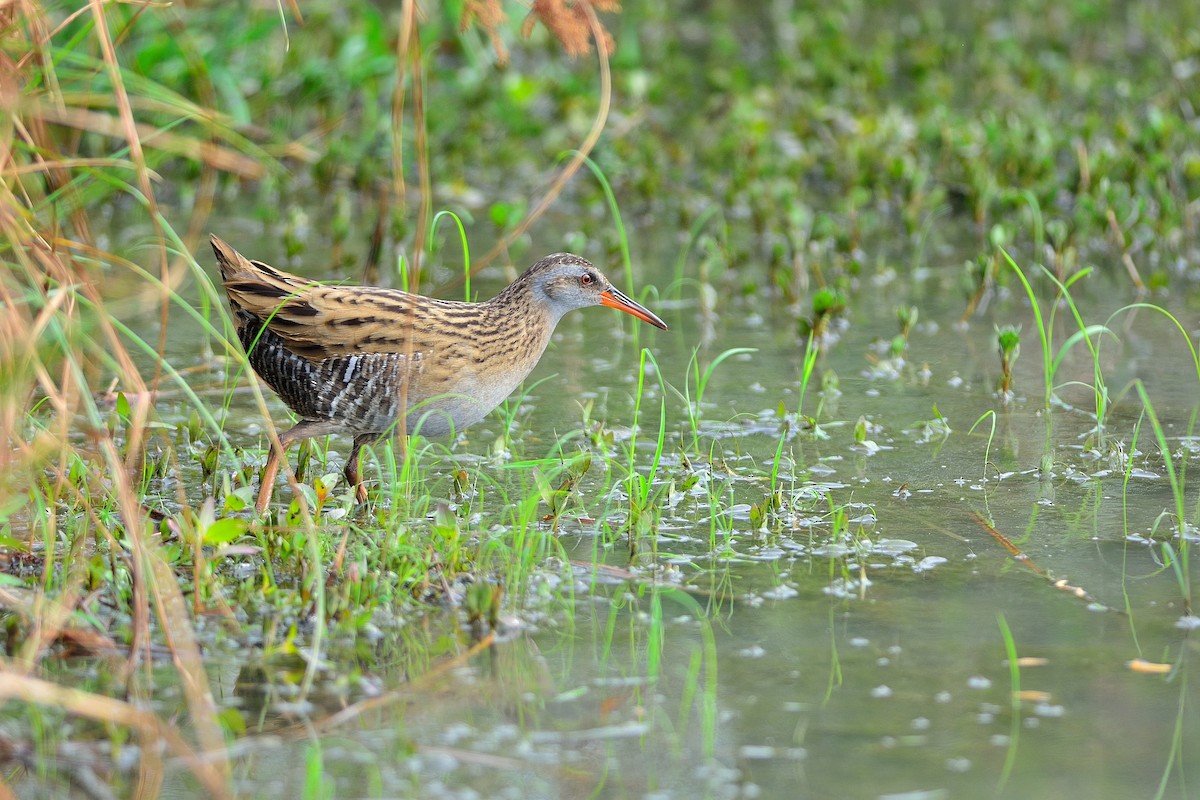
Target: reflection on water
851, 646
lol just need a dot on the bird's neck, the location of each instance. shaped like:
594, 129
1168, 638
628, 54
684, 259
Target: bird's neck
525, 323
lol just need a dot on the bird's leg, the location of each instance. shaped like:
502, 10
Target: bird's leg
303, 429
351, 471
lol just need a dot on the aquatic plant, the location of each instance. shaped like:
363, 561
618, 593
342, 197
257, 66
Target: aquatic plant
1008, 341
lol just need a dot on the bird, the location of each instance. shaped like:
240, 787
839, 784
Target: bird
353, 359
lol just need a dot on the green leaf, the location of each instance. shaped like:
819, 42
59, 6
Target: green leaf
231, 719
234, 502
224, 531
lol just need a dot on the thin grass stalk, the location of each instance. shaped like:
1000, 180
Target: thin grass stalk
1175, 759
811, 352
1127, 475
989, 415
1014, 729
1046, 336
462, 239
614, 209
835, 678
206, 190
1085, 333
1179, 564
1179, 326
693, 236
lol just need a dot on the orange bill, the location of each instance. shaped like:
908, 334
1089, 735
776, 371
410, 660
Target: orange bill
615, 298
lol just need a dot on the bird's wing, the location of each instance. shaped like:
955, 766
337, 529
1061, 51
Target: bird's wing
317, 321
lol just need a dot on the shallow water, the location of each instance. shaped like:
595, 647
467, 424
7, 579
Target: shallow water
855, 645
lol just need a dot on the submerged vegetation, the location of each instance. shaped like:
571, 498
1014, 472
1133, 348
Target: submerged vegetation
581, 587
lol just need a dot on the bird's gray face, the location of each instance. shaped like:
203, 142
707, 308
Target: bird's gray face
572, 283
568, 282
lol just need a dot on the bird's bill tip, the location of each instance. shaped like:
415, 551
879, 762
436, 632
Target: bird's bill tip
614, 298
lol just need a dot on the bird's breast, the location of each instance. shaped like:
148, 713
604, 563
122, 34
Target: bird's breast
458, 392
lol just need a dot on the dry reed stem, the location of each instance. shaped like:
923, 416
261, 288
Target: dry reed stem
177, 629
74, 384
577, 160
150, 767
213, 155
408, 53
56, 283
60, 280
138, 155
32, 130
1023, 558
49, 618
408, 28
424, 180
34, 608
154, 730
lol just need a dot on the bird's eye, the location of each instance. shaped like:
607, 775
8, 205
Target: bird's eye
587, 279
